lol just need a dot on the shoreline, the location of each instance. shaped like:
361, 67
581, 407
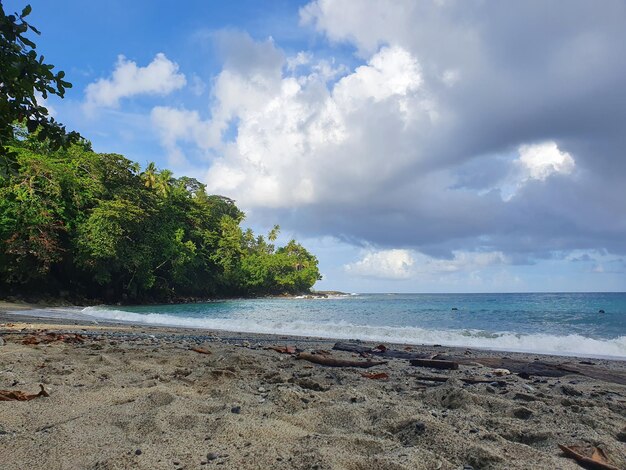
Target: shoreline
21, 310
142, 396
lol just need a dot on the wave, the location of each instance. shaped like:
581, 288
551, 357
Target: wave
573, 345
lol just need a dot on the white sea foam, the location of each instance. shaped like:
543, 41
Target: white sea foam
538, 343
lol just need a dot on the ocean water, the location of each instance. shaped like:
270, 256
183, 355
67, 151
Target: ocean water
558, 323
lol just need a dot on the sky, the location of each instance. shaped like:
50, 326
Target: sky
413, 146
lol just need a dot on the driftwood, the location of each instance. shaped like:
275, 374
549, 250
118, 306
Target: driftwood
16, 395
598, 373
597, 461
283, 349
434, 363
332, 362
201, 350
542, 368
391, 353
469, 380
516, 366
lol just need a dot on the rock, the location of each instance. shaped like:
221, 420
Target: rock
211, 456
261, 390
420, 427
522, 413
501, 372
236, 410
312, 385
138, 452
570, 391
601, 311
1, 342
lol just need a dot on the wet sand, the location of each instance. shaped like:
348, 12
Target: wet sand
126, 397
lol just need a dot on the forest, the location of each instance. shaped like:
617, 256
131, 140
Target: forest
80, 224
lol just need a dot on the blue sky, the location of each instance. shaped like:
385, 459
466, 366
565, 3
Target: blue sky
412, 146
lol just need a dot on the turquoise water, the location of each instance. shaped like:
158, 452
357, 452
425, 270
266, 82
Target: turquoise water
550, 323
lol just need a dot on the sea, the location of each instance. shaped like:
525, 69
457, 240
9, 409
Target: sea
580, 324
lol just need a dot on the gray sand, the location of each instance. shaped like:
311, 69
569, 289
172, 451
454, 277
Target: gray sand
139, 397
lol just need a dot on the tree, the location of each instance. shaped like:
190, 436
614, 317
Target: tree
24, 77
149, 176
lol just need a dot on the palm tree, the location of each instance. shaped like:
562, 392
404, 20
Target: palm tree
149, 176
163, 183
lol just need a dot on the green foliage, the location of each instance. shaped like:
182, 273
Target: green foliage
23, 76
95, 225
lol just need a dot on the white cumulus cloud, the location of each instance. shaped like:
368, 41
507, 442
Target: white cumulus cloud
542, 160
384, 264
159, 77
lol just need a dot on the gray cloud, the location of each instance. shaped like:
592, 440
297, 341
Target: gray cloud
422, 147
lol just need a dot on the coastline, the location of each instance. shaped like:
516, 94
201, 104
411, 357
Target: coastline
139, 396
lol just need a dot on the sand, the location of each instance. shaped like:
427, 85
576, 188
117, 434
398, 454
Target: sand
134, 397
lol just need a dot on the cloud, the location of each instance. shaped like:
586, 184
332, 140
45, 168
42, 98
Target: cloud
159, 77
410, 264
456, 132
386, 264
542, 160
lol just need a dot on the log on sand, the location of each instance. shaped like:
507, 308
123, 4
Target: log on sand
332, 362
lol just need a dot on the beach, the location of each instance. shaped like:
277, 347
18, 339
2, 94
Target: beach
124, 396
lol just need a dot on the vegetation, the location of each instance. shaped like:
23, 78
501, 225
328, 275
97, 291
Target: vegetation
25, 77
78, 224
95, 226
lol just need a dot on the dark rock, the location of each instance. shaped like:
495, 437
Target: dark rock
236, 409
211, 456
420, 427
601, 311
312, 385
473, 431
522, 413
570, 391
621, 436
138, 452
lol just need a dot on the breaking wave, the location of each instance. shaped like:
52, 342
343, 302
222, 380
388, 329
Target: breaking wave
573, 344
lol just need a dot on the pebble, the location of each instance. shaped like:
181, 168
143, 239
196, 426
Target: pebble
211, 456
261, 390
420, 427
138, 452
236, 409
528, 387
2, 342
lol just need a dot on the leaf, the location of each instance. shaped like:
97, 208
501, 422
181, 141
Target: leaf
17, 395
375, 376
599, 455
26, 11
